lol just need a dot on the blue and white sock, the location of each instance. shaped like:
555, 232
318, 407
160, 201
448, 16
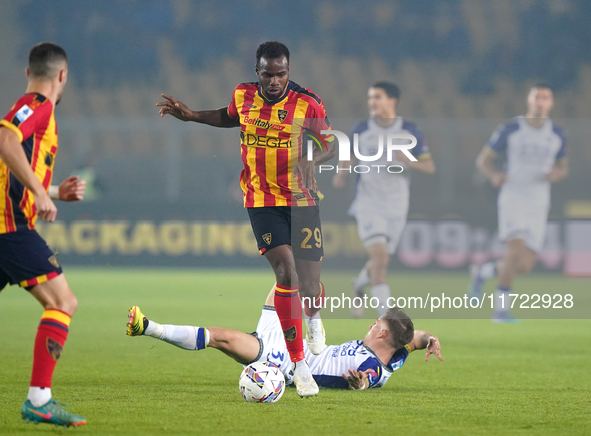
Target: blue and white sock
182, 336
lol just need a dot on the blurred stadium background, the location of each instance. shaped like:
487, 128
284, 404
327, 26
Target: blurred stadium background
166, 193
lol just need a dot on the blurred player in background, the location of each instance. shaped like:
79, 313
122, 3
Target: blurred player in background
534, 149
356, 364
279, 190
28, 146
381, 198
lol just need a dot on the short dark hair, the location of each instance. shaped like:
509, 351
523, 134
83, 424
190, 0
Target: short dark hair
43, 59
272, 50
391, 89
401, 327
543, 85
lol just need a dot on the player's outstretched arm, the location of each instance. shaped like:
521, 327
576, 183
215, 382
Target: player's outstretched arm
13, 156
71, 189
424, 340
179, 110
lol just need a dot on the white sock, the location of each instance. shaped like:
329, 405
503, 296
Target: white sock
182, 336
382, 293
488, 270
154, 329
362, 279
39, 396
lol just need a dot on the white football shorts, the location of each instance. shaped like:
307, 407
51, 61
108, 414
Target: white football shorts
376, 227
522, 219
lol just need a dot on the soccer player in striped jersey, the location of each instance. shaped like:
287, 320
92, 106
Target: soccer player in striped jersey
279, 189
28, 146
381, 198
534, 149
357, 364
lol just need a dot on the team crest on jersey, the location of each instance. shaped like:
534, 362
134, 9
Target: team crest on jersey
53, 260
290, 334
282, 115
24, 113
54, 348
267, 238
48, 160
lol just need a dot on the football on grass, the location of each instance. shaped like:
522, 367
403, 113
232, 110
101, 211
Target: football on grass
261, 382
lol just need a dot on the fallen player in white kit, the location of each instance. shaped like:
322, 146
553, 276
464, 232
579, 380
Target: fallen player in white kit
356, 364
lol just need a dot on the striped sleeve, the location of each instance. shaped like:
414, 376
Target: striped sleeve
26, 115
498, 140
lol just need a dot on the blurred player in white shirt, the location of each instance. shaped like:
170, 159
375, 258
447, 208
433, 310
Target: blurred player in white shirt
381, 198
535, 153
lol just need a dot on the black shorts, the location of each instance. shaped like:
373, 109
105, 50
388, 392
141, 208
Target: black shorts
26, 260
286, 225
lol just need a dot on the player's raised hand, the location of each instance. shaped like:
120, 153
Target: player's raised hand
46, 209
72, 189
357, 379
433, 347
175, 108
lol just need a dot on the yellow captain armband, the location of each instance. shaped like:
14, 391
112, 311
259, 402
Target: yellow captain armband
408, 349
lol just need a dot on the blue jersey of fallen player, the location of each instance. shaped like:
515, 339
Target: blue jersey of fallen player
530, 154
329, 366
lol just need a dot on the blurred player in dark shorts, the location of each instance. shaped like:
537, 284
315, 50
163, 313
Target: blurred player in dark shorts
28, 146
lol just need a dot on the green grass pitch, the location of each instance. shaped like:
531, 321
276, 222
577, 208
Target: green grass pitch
527, 379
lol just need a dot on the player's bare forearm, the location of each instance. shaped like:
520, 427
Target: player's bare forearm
424, 340
179, 110
321, 156
420, 340
13, 156
215, 118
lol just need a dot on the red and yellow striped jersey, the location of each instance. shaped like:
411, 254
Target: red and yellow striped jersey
271, 143
31, 118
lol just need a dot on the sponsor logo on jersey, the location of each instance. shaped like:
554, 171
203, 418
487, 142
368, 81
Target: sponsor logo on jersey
24, 113
263, 124
264, 141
